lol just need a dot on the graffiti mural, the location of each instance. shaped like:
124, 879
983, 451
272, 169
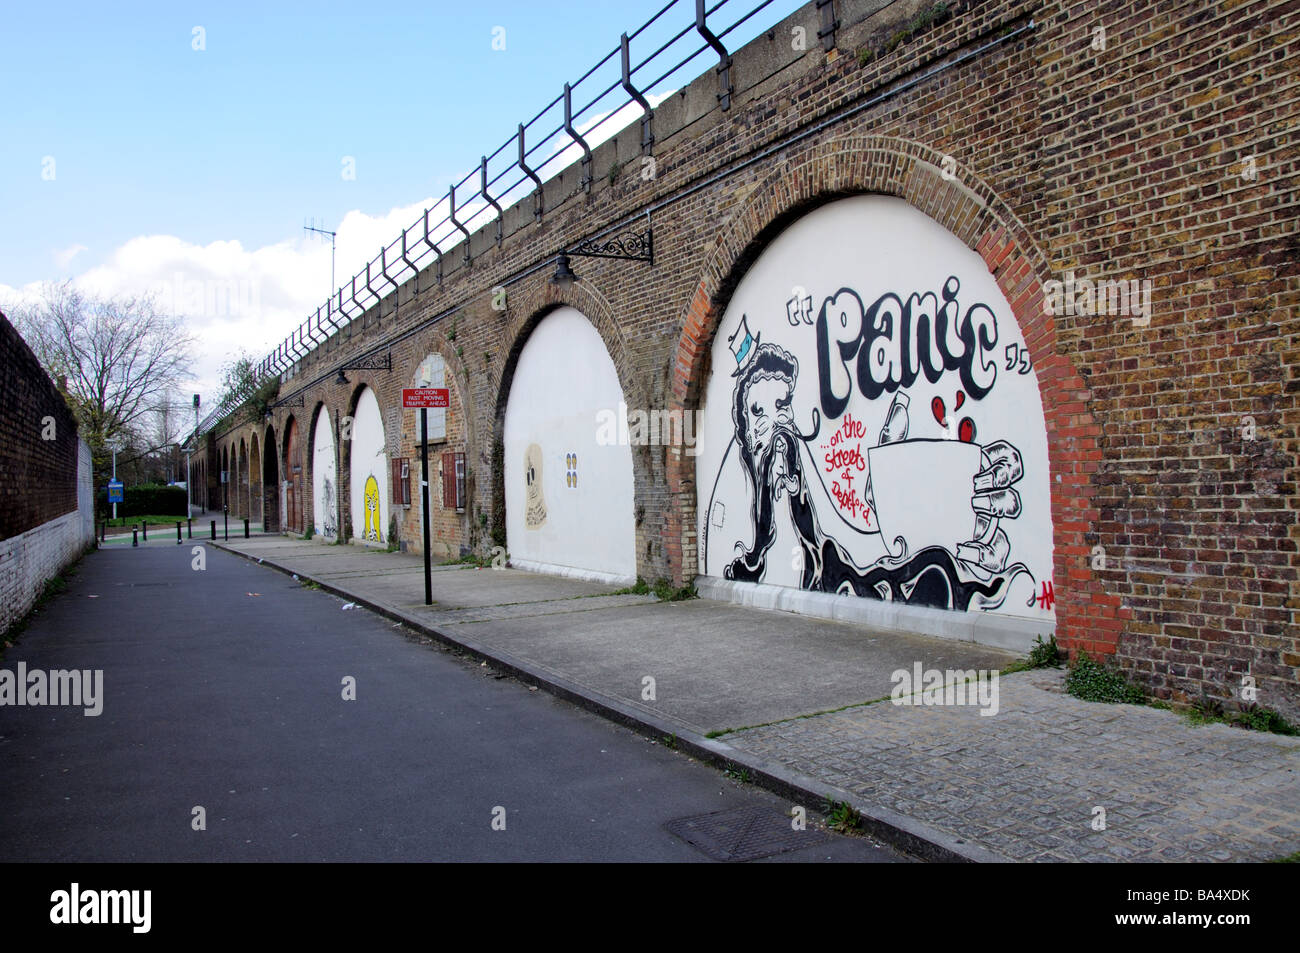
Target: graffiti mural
558, 519
371, 531
872, 426
534, 499
324, 467
369, 470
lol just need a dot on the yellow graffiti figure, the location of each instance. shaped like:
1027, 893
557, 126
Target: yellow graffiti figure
372, 509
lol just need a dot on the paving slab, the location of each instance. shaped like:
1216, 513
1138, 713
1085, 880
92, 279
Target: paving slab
715, 666
1027, 782
798, 701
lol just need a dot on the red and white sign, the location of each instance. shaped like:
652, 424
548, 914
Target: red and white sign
426, 397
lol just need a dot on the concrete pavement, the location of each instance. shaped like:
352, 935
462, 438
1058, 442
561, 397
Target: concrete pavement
790, 698
223, 690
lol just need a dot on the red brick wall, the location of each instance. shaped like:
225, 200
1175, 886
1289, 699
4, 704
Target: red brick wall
1114, 163
38, 477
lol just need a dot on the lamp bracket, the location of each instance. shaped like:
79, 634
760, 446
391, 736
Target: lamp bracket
628, 246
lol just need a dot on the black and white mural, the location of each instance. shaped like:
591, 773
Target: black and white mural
872, 426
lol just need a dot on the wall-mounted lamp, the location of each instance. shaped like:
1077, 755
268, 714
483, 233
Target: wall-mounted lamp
384, 363
564, 276
629, 246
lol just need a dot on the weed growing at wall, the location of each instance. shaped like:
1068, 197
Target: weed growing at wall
1042, 655
929, 17
840, 816
1091, 681
662, 589
1208, 710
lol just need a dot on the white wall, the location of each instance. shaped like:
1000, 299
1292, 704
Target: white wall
563, 381
369, 460
30, 559
324, 477
901, 513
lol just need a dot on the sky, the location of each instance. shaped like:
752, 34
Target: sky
179, 148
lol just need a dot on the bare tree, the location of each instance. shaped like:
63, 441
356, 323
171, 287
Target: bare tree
118, 359
121, 356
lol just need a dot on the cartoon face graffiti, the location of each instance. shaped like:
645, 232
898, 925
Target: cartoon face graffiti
534, 501
372, 509
963, 566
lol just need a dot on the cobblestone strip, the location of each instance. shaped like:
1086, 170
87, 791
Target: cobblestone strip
1026, 781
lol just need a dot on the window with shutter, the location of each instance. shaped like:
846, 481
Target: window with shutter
400, 481
449, 481
460, 481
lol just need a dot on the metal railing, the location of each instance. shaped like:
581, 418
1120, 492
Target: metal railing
426, 241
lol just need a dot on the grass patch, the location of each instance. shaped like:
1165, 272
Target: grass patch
737, 773
1293, 858
929, 17
1091, 681
841, 816
150, 520
662, 590
1208, 710
1042, 655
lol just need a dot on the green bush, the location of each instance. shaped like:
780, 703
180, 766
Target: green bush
1093, 682
148, 499
1259, 718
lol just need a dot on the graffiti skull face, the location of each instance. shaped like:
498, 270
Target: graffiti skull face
767, 406
372, 509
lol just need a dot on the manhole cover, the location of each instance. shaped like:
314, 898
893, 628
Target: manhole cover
744, 833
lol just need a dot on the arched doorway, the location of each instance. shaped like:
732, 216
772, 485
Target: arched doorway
568, 493
293, 477
241, 495
368, 470
875, 430
254, 482
324, 477
270, 483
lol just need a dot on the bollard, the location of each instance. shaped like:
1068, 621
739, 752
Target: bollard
144, 531
179, 539
189, 528
134, 540
245, 527
214, 531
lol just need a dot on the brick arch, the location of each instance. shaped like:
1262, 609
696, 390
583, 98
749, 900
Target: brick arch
539, 299
241, 505
254, 479
1087, 617
457, 378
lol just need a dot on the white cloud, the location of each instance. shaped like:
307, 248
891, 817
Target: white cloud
238, 299
63, 257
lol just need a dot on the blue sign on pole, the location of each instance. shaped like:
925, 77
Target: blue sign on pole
115, 491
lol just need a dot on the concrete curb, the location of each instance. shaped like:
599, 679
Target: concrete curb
907, 834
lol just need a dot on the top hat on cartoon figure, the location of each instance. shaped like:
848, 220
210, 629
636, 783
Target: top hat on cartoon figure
743, 345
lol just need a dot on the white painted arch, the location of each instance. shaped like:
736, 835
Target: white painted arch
369, 471
576, 516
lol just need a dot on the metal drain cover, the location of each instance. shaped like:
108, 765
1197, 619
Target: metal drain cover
744, 833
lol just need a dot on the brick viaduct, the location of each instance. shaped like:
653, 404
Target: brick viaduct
1172, 446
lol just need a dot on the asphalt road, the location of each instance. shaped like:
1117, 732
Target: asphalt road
223, 689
